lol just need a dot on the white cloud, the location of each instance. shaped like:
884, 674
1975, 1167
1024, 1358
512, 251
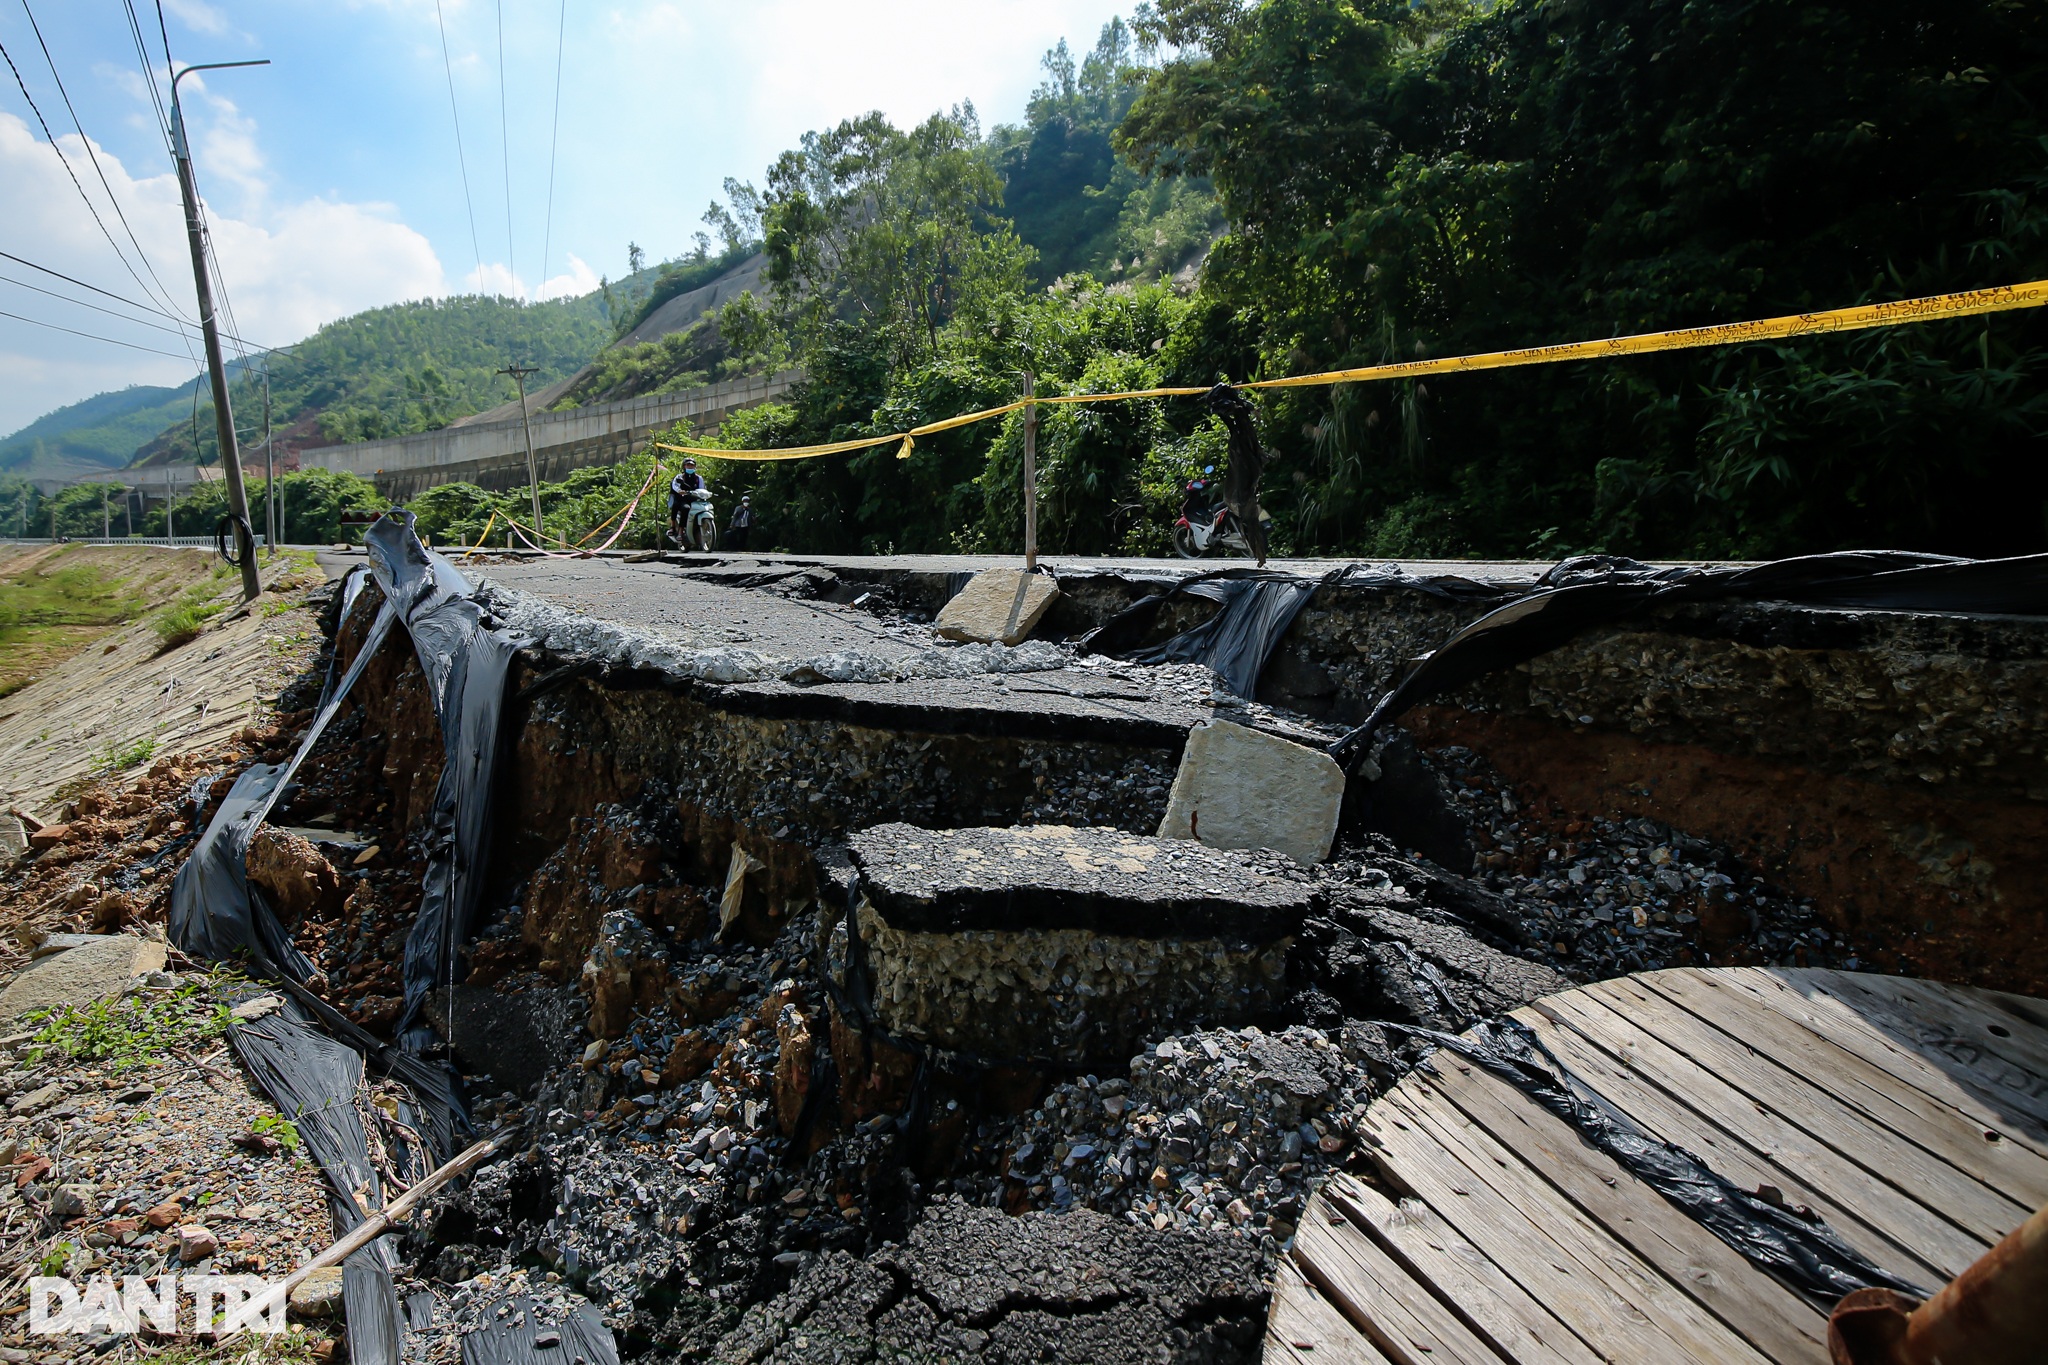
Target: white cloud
579, 280
288, 268
199, 16
494, 279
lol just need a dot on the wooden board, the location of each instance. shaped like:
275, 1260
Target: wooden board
1912, 1117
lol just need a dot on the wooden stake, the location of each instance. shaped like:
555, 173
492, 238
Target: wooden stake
375, 1226
1030, 478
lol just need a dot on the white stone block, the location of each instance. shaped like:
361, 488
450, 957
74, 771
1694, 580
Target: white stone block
998, 606
1243, 788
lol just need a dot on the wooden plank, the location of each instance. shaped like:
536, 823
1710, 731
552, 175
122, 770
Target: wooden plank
1485, 1296
2030, 1008
1840, 1181
1649, 1297
1577, 1293
1400, 1317
1964, 1200
1977, 1088
1940, 1032
1667, 1117
2015, 1170
1780, 1324
1965, 1030
1303, 1329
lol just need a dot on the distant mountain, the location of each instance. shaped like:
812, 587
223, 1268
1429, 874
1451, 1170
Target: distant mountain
101, 432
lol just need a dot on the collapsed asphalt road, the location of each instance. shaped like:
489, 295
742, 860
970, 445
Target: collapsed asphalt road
753, 1125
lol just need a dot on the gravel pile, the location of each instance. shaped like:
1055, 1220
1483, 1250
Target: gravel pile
1604, 896
162, 1158
1224, 1129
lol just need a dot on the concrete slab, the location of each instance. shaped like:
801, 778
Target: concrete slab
93, 971
1243, 788
1048, 944
998, 606
1062, 877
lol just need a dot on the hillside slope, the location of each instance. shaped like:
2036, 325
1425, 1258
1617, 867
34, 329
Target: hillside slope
101, 432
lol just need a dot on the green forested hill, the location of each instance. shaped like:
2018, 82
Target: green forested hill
1072, 199
1263, 188
99, 432
401, 369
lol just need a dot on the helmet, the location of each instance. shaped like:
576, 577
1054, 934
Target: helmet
689, 461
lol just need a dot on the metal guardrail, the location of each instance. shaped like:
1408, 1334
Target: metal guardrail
174, 542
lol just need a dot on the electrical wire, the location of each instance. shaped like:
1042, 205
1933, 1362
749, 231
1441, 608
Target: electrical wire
461, 160
554, 142
163, 119
89, 336
22, 260
505, 148
66, 161
179, 332
94, 157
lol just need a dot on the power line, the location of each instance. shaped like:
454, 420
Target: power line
81, 303
505, 148
165, 34
66, 162
94, 157
460, 160
90, 336
22, 260
554, 141
156, 98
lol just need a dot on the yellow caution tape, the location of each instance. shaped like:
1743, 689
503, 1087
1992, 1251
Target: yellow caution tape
1972, 303
2002, 299
493, 521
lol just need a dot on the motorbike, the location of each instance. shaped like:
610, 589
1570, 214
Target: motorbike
1204, 530
700, 526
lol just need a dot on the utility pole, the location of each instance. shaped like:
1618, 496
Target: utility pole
270, 527
223, 413
106, 516
170, 532
1030, 477
519, 372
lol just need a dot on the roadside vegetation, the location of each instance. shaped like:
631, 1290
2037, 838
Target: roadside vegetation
1383, 180
1249, 191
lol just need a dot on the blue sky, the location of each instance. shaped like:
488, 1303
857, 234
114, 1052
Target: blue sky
331, 176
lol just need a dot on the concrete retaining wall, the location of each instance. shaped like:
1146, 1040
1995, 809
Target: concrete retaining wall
493, 454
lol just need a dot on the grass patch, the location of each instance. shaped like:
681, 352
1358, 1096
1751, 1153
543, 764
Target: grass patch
55, 602
129, 1031
117, 757
181, 622
276, 1126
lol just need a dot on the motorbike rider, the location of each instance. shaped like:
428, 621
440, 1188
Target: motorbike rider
686, 481
1195, 504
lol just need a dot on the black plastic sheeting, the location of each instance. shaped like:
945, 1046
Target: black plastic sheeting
1258, 607
1598, 589
514, 1338
1805, 1254
218, 916
314, 1079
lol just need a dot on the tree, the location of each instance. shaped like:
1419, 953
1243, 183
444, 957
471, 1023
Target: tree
1447, 177
894, 231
